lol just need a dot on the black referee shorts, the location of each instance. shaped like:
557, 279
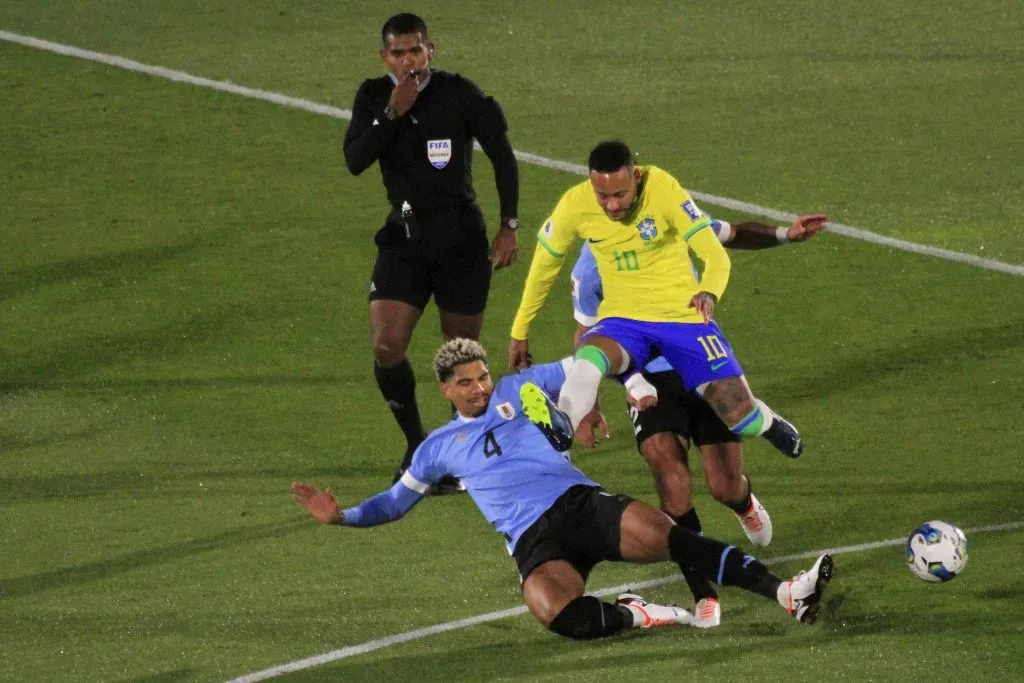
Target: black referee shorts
582, 527
679, 412
450, 261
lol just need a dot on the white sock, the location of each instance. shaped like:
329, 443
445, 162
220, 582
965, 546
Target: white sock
579, 393
766, 414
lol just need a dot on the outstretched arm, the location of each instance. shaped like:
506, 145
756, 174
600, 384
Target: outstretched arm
752, 235
380, 509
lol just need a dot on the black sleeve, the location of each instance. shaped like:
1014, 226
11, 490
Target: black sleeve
490, 128
368, 133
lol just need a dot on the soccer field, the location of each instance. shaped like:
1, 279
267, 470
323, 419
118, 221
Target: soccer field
183, 333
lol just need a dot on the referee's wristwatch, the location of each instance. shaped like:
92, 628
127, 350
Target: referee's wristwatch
390, 113
510, 223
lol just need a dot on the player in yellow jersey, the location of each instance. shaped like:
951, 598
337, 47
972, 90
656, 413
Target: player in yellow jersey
641, 225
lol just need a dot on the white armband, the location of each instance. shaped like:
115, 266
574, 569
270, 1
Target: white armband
638, 387
780, 235
723, 230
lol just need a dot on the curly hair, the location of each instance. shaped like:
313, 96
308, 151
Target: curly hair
458, 351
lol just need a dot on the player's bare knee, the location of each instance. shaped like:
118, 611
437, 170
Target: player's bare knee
662, 452
545, 607
387, 352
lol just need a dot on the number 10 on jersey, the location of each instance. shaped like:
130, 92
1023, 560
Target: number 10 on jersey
627, 260
713, 346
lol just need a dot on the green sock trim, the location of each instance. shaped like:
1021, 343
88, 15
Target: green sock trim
595, 357
750, 426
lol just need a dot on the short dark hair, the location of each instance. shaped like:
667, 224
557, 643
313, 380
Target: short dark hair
609, 156
401, 24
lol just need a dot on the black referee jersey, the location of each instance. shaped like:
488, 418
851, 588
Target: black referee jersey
426, 156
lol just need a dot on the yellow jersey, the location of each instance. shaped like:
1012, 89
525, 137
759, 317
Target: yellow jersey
644, 261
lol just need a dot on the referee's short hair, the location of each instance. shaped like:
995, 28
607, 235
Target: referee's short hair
455, 352
609, 156
401, 24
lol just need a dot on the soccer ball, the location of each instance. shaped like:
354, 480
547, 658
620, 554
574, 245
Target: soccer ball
936, 551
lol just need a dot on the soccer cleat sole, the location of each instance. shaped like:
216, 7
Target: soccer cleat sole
538, 409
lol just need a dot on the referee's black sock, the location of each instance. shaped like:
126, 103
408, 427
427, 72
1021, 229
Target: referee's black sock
398, 386
699, 584
725, 565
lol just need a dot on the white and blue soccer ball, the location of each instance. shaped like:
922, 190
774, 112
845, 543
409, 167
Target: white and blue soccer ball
936, 551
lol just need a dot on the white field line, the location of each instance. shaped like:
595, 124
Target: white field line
369, 646
525, 157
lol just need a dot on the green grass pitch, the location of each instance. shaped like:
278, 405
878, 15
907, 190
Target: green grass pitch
182, 334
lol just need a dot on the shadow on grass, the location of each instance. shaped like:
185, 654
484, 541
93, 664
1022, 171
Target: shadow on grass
94, 571
914, 352
176, 676
49, 367
542, 655
548, 656
116, 266
165, 383
13, 444
176, 480
857, 621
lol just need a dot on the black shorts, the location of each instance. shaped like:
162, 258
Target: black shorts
679, 412
582, 527
451, 261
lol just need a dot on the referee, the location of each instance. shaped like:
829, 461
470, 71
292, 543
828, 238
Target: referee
419, 124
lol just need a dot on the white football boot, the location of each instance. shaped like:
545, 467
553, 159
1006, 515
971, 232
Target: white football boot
801, 596
648, 615
756, 523
707, 613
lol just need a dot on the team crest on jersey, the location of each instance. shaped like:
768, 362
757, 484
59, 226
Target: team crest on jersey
648, 230
439, 152
506, 411
461, 436
548, 229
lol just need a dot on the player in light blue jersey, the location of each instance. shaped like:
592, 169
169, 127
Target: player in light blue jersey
558, 524
663, 432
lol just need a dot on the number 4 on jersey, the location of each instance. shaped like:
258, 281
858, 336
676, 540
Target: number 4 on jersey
491, 446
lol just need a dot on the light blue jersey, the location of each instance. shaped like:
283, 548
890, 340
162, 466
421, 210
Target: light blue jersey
507, 466
587, 292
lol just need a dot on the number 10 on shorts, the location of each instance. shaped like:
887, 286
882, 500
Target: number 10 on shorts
713, 347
